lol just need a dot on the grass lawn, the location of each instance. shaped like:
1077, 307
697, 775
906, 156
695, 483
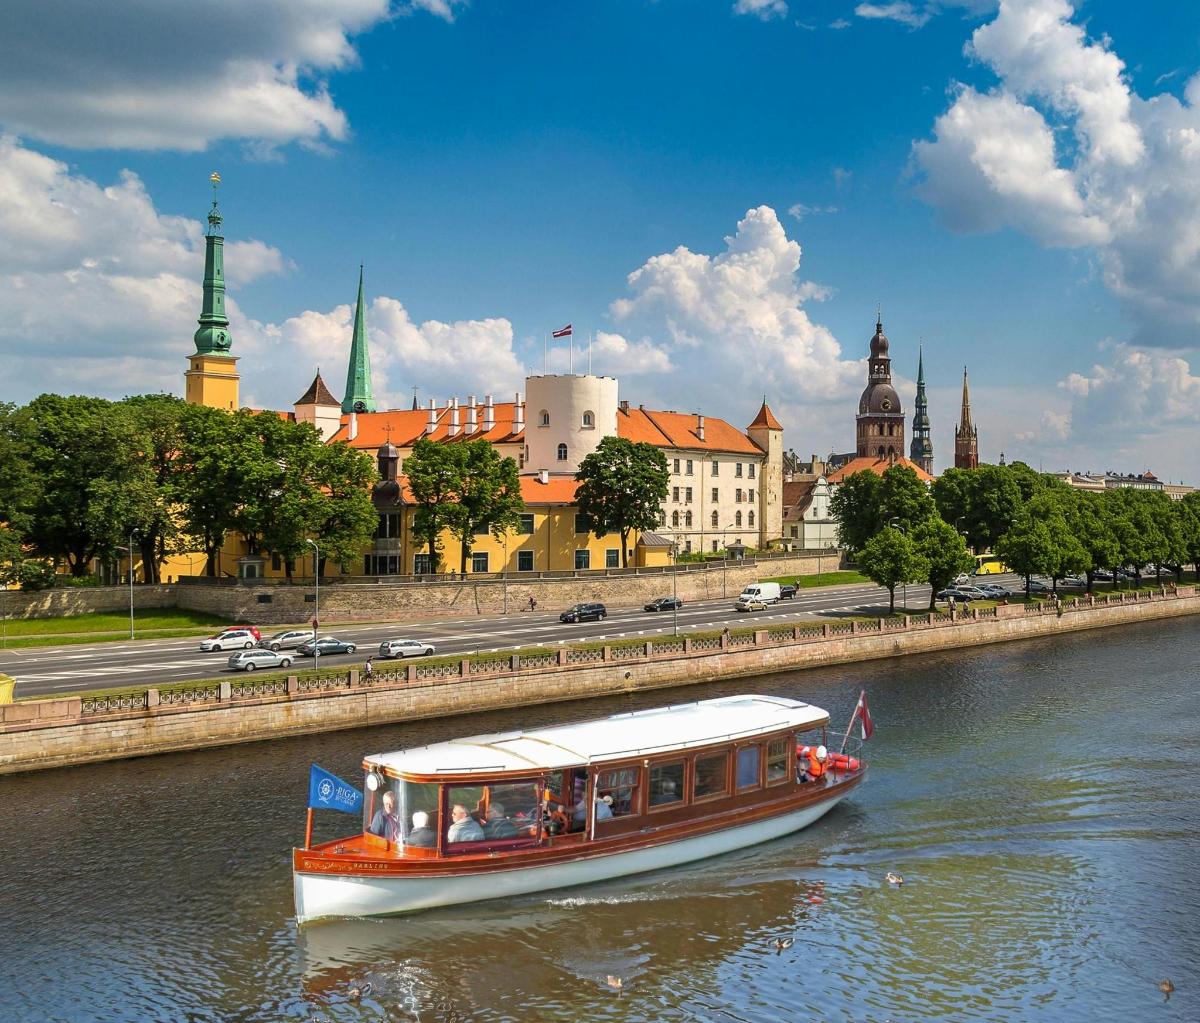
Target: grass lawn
161, 623
806, 582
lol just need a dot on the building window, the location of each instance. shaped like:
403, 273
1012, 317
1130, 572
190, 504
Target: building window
687, 495
675, 494
526, 526
716, 521
675, 519
737, 495
737, 520
421, 564
716, 468
716, 496
589, 420
562, 452
687, 520
795, 532
479, 561
676, 468
524, 561
689, 466
737, 469
612, 557
526, 452
582, 523
687, 547
714, 547
751, 497
753, 468
544, 418
583, 560
750, 519
277, 563
481, 529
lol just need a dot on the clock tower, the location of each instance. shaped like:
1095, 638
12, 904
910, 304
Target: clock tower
212, 377
880, 419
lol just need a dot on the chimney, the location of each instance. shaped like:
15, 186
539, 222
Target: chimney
700, 426
543, 476
431, 422
352, 428
453, 403
624, 404
518, 413
472, 415
489, 412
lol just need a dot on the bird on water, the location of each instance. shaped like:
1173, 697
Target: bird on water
616, 983
783, 943
360, 991
1166, 987
892, 878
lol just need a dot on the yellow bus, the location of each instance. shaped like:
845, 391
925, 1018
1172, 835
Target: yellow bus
989, 564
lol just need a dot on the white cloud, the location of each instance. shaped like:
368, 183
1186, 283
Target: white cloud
125, 74
798, 211
765, 9
441, 8
902, 12
612, 355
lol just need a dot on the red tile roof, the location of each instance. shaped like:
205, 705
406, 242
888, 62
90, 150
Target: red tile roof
766, 418
679, 430
407, 426
557, 490
875, 465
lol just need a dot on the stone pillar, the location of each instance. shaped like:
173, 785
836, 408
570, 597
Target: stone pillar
562, 655
224, 691
152, 699
293, 685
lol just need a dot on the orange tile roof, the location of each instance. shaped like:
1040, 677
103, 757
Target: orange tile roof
679, 430
558, 490
407, 426
766, 418
875, 465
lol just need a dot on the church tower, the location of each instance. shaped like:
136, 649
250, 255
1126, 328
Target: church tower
212, 377
880, 418
966, 435
921, 450
358, 396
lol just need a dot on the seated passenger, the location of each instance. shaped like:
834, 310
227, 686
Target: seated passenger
498, 825
463, 827
816, 763
666, 794
386, 822
422, 835
603, 810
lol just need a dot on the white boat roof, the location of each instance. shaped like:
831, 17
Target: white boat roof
640, 733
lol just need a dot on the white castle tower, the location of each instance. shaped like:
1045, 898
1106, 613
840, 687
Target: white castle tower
566, 418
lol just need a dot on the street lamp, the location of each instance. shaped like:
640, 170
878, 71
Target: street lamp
506, 570
675, 582
129, 551
317, 596
895, 524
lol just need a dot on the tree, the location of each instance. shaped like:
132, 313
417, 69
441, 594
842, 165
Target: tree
1088, 519
346, 517
945, 555
1028, 548
434, 474
490, 495
855, 506
984, 500
622, 487
904, 498
890, 558
1188, 513
1052, 507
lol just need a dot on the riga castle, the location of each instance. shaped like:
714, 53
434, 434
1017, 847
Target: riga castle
725, 489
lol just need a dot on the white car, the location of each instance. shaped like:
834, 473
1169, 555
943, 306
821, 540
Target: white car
250, 660
405, 648
962, 579
230, 639
286, 640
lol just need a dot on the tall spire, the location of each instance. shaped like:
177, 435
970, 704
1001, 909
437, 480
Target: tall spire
966, 435
965, 420
358, 396
921, 449
212, 338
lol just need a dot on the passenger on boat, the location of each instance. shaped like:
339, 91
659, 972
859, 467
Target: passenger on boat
603, 810
464, 827
422, 835
497, 824
386, 822
816, 763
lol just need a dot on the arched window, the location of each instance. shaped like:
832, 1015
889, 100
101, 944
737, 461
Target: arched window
675, 519
687, 520
562, 452
716, 521
544, 418
750, 521
737, 519
589, 420
880, 450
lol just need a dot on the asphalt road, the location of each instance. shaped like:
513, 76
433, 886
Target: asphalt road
59, 671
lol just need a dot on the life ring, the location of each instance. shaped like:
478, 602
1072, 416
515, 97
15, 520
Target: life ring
835, 761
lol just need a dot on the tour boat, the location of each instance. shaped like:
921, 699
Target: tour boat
528, 811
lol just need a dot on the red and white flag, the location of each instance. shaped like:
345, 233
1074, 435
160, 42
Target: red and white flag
567, 331
863, 717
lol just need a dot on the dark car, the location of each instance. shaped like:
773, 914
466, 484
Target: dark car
787, 591
664, 604
584, 613
325, 646
960, 596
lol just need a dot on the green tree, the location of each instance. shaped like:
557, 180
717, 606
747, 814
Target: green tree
944, 552
890, 558
904, 498
1089, 520
490, 495
1188, 513
346, 518
622, 487
856, 507
1052, 507
434, 474
1028, 548
984, 500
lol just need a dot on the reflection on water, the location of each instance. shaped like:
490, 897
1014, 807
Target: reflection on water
1040, 800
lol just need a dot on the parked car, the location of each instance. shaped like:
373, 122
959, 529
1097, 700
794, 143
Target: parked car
259, 657
962, 579
787, 591
324, 646
405, 648
994, 591
960, 596
1037, 586
230, 639
288, 640
973, 592
750, 604
1073, 580
664, 604
1102, 575
584, 612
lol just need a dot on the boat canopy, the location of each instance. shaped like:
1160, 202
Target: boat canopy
619, 737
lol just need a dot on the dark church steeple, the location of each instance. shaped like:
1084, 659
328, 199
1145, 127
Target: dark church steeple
966, 434
880, 419
921, 450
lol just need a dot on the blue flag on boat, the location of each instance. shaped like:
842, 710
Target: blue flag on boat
328, 792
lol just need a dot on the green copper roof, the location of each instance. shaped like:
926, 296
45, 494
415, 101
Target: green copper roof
358, 396
213, 337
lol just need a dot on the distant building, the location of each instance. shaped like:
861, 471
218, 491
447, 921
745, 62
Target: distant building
966, 434
807, 524
921, 450
880, 420
1102, 481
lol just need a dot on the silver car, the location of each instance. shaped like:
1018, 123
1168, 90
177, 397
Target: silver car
230, 639
405, 648
288, 640
259, 657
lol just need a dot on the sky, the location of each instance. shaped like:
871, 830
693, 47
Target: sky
718, 194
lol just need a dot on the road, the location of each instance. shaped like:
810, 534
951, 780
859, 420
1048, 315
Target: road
59, 671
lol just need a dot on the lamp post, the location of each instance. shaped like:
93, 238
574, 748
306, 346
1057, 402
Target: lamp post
895, 524
675, 582
506, 569
317, 597
129, 551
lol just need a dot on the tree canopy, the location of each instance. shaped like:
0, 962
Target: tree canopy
622, 487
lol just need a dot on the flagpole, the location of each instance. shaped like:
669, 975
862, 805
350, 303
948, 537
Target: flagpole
590, 353
572, 337
853, 718
545, 352
308, 831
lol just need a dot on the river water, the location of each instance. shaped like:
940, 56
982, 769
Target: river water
1040, 799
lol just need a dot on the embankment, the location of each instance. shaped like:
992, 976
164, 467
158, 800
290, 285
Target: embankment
58, 733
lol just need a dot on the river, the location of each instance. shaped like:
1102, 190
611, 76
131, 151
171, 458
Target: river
1040, 799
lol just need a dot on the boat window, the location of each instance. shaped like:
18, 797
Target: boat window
621, 785
487, 813
711, 777
419, 807
779, 758
747, 767
666, 784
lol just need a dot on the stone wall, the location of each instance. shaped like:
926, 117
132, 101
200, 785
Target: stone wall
79, 600
55, 733
341, 602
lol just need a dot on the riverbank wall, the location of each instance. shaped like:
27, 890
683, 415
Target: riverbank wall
58, 733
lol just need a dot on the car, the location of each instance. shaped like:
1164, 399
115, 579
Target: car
960, 596
325, 646
962, 579
286, 640
229, 639
252, 629
1072, 580
994, 591
259, 657
584, 612
1102, 575
750, 604
787, 591
973, 592
664, 604
405, 648
1037, 586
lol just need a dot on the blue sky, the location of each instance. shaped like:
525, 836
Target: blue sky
1003, 179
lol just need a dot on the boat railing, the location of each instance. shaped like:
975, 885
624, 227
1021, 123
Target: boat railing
840, 742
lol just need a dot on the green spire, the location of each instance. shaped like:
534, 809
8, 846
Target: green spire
213, 336
358, 397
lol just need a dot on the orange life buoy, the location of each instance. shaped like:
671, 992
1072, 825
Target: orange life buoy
836, 761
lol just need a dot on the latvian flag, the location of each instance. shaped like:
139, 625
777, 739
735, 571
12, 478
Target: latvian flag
567, 331
863, 717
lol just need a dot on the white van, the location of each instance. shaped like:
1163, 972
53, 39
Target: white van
757, 593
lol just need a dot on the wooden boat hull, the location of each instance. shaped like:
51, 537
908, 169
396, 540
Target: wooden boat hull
321, 894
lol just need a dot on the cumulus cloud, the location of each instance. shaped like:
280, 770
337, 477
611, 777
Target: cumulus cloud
125, 74
444, 9
765, 9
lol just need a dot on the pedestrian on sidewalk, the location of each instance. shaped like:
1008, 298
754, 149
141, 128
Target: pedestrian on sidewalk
368, 669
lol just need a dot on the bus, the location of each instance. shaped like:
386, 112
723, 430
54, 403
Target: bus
989, 564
